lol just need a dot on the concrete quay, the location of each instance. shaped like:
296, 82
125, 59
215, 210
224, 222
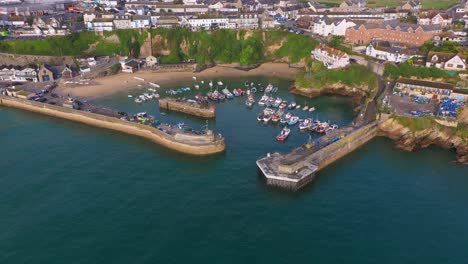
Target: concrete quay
195, 109
294, 170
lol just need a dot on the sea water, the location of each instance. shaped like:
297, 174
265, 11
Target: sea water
72, 193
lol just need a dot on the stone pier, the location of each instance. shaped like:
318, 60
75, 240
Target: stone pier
195, 109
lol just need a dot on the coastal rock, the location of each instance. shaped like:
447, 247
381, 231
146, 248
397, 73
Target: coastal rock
339, 88
435, 135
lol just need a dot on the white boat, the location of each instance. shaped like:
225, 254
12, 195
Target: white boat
298, 107
155, 85
220, 83
253, 90
139, 79
130, 96
211, 83
155, 95
202, 82
305, 108
269, 88
151, 90
138, 101
312, 109
194, 78
197, 86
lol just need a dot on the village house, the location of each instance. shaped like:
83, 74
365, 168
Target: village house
451, 36
45, 74
129, 65
209, 23
245, 21
392, 52
351, 6
100, 25
330, 57
411, 35
409, 6
434, 18
331, 27
446, 61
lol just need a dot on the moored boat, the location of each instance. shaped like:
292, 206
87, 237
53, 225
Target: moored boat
292, 105
284, 134
293, 120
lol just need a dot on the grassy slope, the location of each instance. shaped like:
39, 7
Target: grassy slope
435, 4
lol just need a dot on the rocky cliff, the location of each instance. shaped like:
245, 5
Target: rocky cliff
411, 139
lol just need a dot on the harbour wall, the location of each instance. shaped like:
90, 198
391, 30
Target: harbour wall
194, 145
329, 154
187, 108
344, 146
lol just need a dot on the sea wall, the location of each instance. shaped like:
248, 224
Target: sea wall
210, 145
187, 108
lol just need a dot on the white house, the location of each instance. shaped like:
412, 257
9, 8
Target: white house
14, 75
442, 19
209, 23
100, 25
245, 21
393, 52
331, 27
330, 57
446, 61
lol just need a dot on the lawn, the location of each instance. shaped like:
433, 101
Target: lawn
433, 4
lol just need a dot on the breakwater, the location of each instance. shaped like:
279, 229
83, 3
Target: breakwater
297, 168
194, 109
205, 144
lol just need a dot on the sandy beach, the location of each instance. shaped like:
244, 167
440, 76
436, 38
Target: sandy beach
126, 81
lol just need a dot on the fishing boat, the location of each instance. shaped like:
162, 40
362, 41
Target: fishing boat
268, 111
266, 118
277, 102
227, 93
292, 105
293, 120
249, 103
276, 117
270, 101
285, 119
312, 109
283, 105
263, 100
304, 125
305, 108
221, 97
283, 135
235, 92
260, 117
268, 88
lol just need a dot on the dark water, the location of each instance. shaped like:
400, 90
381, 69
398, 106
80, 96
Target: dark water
70, 193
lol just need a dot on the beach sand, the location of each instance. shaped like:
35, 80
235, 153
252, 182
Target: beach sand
125, 81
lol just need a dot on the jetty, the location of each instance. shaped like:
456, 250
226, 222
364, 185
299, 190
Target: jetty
205, 143
194, 109
296, 169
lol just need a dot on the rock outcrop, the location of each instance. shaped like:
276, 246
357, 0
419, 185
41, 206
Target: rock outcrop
434, 135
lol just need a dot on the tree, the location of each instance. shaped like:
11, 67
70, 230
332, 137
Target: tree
246, 56
335, 41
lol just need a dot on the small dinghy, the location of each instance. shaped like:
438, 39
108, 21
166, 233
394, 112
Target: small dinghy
312, 109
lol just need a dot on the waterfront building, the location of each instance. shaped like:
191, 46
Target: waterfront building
393, 52
446, 61
100, 25
330, 57
209, 23
411, 35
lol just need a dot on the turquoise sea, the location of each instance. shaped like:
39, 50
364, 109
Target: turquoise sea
71, 193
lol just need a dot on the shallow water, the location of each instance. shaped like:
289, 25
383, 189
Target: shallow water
71, 193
